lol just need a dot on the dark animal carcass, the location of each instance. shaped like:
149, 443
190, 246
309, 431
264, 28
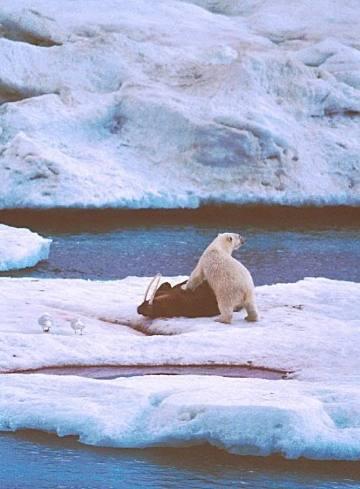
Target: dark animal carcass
170, 301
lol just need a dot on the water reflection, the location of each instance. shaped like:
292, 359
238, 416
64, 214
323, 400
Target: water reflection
33, 459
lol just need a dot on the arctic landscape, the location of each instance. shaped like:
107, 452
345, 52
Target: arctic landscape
178, 109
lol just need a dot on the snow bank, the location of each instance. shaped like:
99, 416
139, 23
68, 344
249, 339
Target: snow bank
21, 248
311, 327
168, 104
244, 416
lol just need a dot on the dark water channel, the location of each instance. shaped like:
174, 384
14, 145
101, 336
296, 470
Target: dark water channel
280, 247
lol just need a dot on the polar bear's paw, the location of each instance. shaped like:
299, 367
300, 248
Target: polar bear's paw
224, 319
252, 318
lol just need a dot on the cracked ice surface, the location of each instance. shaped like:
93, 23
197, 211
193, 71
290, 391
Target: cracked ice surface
169, 104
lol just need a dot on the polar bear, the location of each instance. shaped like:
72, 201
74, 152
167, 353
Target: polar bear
230, 280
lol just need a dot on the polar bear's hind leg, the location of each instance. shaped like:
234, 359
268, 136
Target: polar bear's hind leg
226, 311
252, 313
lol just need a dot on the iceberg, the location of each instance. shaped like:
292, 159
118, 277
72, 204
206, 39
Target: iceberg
176, 104
21, 248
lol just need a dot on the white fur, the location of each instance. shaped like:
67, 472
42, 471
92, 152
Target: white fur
230, 280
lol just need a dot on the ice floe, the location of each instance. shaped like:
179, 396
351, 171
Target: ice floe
166, 103
243, 416
21, 248
311, 327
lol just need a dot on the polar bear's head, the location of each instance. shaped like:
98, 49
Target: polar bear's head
230, 241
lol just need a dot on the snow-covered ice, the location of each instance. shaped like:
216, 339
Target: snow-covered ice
244, 416
21, 248
311, 327
176, 103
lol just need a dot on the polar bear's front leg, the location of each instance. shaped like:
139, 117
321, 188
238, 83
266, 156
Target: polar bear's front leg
195, 279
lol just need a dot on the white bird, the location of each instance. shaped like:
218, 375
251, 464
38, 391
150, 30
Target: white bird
46, 322
77, 325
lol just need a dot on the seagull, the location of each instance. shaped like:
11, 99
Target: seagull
46, 322
77, 325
